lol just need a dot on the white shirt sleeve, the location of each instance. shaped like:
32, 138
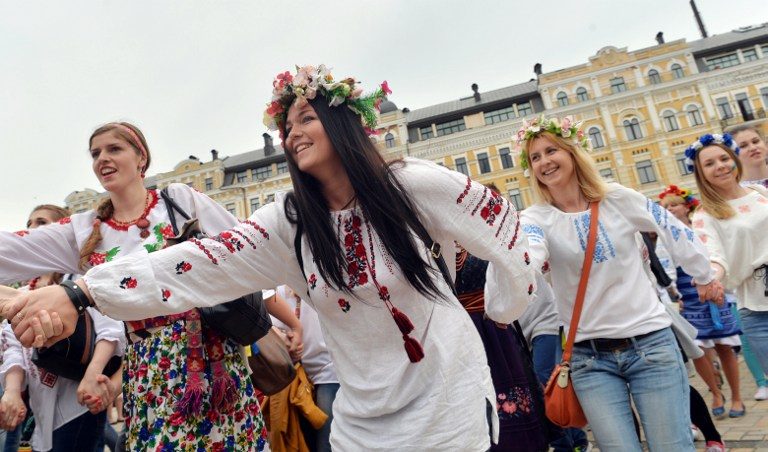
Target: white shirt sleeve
28, 254
13, 355
212, 216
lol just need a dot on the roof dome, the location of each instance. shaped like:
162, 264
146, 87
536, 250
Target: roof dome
387, 107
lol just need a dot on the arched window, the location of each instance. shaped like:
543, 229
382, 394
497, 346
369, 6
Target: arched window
389, 140
670, 121
596, 138
581, 94
654, 77
562, 99
632, 129
677, 71
694, 116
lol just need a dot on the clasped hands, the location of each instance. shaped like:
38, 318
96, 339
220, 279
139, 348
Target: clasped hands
39, 318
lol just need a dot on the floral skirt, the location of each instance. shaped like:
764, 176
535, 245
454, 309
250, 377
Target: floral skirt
153, 381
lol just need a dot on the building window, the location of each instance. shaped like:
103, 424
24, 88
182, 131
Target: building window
723, 61
516, 199
231, 209
208, 183
562, 99
632, 129
270, 198
606, 173
282, 167
389, 140
764, 95
596, 138
582, 94
645, 172
483, 163
670, 122
426, 132
461, 166
524, 109
724, 108
654, 77
255, 204
694, 116
505, 114
262, 172
682, 168
242, 177
745, 108
450, 127
506, 158
618, 85
677, 71
749, 54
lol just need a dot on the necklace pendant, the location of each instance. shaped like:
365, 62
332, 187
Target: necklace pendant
144, 233
142, 223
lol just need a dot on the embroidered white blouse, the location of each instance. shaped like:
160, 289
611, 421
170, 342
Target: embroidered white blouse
385, 402
620, 300
740, 245
53, 399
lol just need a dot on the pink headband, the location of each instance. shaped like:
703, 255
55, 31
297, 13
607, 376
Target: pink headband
136, 139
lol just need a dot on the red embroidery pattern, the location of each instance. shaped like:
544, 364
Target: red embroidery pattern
245, 237
530, 289
545, 267
183, 267
479, 203
205, 250
355, 252
166, 294
21, 233
47, 378
65, 220
255, 226
503, 221
231, 242
167, 231
312, 281
344, 305
527, 258
97, 258
514, 237
128, 282
465, 192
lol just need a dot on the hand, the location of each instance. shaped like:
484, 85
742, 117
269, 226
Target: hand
12, 410
93, 393
30, 318
711, 292
295, 342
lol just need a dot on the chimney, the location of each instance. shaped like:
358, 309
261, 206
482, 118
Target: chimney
698, 19
269, 148
476, 94
214, 155
660, 37
537, 69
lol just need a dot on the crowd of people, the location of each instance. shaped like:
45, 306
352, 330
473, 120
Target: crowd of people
422, 311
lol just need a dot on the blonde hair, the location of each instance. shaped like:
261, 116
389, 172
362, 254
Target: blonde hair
711, 201
668, 200
58, 212
105, 209
591, 184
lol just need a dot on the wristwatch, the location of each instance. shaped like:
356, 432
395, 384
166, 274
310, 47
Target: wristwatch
76, 296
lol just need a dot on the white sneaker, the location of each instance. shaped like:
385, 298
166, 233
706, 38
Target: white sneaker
762, 393
697, 435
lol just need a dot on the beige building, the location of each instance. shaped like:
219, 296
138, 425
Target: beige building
641, 108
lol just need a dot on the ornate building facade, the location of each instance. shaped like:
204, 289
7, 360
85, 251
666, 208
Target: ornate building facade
641, 108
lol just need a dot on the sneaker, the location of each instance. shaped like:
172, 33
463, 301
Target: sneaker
714, 446
762, 393
697, 435
587, 448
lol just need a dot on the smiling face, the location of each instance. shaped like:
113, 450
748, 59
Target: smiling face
307, 143
116, 163
752, 145
552, 165
718, 168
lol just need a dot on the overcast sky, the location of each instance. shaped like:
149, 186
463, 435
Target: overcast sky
195, 75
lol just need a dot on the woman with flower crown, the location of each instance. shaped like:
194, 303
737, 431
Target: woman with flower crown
624, 349
730, 222
185, 386
365, 240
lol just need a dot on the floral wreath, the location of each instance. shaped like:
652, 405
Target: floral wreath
688, 198
305, 85
565, 128
705, 140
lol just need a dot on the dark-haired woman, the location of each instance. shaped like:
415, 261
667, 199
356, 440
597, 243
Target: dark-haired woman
410, 363
175, 372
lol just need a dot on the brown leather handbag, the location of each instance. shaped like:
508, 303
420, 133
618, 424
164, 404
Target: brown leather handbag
560, 402
272, 369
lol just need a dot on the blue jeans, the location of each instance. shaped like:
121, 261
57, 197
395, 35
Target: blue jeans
325, 394
755, 326
80, 434
546, 353
651, 371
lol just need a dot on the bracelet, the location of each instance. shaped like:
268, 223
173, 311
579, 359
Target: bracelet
76, 296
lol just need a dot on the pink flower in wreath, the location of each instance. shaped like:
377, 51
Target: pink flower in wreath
385, 87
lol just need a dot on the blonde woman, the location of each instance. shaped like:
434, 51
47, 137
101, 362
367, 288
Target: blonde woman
624, 348
752, 156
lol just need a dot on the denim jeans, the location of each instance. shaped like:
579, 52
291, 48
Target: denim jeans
651, 372
325, 394
546, 353
80, 434
755, 326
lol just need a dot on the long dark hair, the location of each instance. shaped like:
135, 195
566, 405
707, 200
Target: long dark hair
384, 201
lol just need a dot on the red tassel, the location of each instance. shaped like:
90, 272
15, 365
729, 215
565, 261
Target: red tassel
402, 320
413, 349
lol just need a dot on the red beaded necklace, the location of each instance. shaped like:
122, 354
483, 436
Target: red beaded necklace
141, 222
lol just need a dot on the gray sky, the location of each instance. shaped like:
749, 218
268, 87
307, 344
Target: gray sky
195, 75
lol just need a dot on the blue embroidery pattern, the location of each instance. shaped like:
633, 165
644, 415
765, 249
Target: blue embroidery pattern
534, 233
604, 249
659, 213
675, 232
689, 234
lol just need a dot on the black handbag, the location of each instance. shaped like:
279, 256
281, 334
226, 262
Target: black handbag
244, 320
69, 358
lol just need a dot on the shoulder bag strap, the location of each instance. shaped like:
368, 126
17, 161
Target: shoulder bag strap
585, 268
172, 206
